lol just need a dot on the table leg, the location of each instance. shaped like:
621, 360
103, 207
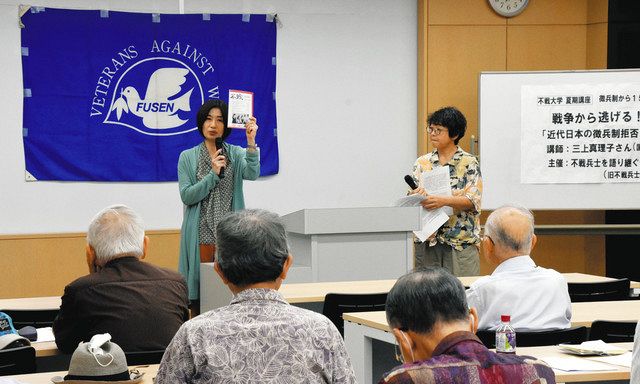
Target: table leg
357, 338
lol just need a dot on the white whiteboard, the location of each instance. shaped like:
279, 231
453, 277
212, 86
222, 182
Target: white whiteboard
500, 145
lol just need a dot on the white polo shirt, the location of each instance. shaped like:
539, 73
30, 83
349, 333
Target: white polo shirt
536, 298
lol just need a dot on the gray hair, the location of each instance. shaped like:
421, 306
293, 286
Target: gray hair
504, 233
424, 297
114, 232
251, 246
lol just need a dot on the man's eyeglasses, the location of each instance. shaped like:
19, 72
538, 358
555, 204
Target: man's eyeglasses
435, 131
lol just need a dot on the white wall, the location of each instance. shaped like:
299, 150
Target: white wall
346, 99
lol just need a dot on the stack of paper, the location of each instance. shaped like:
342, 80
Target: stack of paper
592, 348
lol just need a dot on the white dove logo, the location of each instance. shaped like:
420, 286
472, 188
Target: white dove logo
162, 102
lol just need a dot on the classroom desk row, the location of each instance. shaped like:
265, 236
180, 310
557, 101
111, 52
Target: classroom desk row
300, 292
360, 329
583, 314
620, 373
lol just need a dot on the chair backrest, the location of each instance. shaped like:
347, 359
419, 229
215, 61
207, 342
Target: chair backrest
574, 335
602, 291
144, 357
36, 318
335, 304
613, 331
17, 361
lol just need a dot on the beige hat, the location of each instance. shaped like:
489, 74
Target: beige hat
102, 362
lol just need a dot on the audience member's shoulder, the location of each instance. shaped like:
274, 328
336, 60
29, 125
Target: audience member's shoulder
83, 282
481, 282
309, 315
551, 272
316, 320
162, 272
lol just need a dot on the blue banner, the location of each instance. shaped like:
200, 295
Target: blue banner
113, 96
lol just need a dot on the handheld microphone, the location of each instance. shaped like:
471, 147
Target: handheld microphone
220, 146
409, 180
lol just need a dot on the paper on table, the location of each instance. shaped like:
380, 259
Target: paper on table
570, 363
45, 334
431, 219
623, 360
436, 182
593, 347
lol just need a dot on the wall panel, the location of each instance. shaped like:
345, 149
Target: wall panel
42, 265
546, 47
467, 37
454, 62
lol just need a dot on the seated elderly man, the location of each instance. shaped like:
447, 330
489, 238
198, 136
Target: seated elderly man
259, 337
428, 315
536, 298
140, 305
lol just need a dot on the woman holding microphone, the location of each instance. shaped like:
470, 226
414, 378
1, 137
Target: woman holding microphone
210, 177
456, 243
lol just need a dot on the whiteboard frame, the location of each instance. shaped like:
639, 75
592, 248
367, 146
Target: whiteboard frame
501, 185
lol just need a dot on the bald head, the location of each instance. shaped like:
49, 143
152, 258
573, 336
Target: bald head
511, 230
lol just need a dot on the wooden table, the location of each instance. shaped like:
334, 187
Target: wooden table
582, 314
150, 372
586, 313
301, 292
33, 303
47, 348
619, 372
361, 328
315, 292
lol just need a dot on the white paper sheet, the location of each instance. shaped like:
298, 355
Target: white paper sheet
431, 219
45, 334
436, 182
623, 360
409, 201
570, 363
9, 380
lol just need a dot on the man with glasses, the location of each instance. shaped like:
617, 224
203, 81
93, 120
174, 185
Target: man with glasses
428, 315
536, 298
455, 245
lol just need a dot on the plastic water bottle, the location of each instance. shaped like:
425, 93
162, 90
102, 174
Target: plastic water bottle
505, 336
